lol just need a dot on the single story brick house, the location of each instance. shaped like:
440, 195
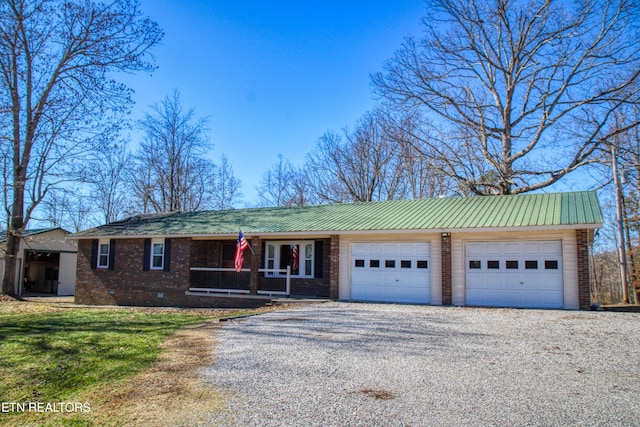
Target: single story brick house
500, 251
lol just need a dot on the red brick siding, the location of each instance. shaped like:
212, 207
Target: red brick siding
254, 263
128, 284
206, 253
446, 269
334, 266
584, 293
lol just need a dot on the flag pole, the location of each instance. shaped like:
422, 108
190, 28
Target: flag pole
250, 248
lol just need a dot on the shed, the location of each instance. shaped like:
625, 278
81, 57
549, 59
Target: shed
46, 262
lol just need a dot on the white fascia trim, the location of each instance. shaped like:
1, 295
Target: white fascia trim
326, 234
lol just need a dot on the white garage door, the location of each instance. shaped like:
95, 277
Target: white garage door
392, 272
514, 274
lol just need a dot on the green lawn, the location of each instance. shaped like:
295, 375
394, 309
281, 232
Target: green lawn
51, 354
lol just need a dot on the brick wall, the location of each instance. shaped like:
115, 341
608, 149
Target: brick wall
446, 269
254, 264
129, 284
206, 253
584, 293
334, 265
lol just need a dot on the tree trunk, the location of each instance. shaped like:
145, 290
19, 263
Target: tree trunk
9, 283
16, 229
14, 235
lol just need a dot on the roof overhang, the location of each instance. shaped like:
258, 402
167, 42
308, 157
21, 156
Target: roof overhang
328, 233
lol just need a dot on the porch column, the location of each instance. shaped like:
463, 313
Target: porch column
256, 256
334, 266
446, 268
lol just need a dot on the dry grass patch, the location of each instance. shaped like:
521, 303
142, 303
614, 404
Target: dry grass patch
169, 393
131, 366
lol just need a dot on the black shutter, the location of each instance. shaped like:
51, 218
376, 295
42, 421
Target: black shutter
167, 254
94, 254
146, 257
112, 253
317, 262
262, 258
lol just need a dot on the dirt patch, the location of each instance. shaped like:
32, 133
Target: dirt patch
171, 392
374, 393
7, 298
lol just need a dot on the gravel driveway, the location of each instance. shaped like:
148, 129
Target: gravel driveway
345, 364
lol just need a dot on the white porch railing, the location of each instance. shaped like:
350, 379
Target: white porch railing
277, 272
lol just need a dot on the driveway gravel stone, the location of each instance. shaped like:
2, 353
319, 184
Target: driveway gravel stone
347, 364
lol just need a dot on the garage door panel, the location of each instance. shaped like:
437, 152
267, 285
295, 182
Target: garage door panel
551, 248
389, 272
359, 249
474, 249
511, 249
536, 281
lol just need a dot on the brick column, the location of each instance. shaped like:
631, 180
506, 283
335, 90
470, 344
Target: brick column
334, 266
256, 256
584, 292
446, 269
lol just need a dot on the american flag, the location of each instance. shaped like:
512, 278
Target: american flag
295, 256
240, 247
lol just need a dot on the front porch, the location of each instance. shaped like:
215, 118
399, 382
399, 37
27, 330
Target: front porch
270, 269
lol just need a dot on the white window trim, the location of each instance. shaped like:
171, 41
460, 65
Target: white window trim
101, 243
301, 260
155, 242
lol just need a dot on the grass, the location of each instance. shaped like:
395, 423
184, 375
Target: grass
120, 363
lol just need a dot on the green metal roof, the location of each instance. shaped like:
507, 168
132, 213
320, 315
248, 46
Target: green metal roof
555, 210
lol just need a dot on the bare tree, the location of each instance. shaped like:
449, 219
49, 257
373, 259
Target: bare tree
226, 186
58, 95
105, 175
68, 209
420, 168
526, 87
171, 173
356, 166
284, 185
627, 151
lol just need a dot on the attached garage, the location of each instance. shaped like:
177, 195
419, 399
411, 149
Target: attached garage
514, 274
391, 272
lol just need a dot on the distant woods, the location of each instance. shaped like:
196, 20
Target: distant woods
373, 161
169, 170
495, 97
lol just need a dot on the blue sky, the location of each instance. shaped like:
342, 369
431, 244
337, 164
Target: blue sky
272, 76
